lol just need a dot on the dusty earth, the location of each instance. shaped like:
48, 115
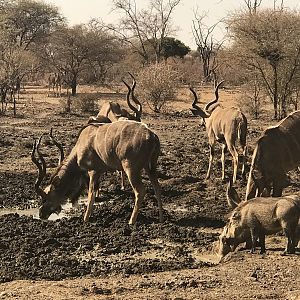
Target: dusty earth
107, 259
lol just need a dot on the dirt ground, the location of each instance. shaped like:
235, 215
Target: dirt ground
108, 259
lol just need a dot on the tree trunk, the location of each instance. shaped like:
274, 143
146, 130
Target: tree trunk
15, 106
74, 86
275, 94
283, 107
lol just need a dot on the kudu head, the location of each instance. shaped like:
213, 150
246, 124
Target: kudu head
209, 107
137, 111
51, 196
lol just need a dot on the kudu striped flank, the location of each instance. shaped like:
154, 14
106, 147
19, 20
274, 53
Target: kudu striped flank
124, 145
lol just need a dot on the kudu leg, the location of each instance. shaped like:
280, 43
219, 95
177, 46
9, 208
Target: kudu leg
278, 185
135, 180
235, 162
157, 190
224, 149
93, 186
211, 157
244, 158
122, 180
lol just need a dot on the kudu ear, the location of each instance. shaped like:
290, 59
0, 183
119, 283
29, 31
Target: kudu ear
233, 198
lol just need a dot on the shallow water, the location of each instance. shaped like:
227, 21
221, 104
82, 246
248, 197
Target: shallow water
34, 212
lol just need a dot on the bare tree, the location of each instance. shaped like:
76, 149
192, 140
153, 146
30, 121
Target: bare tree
24, 26
145, 29
252, 5
253, 97
207, 46
267, 43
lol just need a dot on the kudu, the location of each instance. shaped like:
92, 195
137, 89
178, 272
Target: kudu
114, 112
276, 152
123, 145
225, 125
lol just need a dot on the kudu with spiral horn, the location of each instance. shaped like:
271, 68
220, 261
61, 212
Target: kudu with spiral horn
112, 111
225, 125
101, 148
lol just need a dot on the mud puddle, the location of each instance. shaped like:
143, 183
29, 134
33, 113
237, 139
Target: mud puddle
34, 212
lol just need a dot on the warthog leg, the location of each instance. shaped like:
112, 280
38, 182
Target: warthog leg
290, 235
254, 237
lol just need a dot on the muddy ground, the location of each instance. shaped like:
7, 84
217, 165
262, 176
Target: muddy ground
107, 258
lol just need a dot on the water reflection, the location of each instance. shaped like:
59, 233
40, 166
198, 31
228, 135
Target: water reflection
34, 212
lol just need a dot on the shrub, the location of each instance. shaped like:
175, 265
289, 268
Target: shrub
157, 85
66, 103
253, 99
85, 103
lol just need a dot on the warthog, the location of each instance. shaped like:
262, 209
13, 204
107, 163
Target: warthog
251, 220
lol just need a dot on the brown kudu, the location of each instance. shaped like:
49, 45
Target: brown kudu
124, 145
225, 125
276, 152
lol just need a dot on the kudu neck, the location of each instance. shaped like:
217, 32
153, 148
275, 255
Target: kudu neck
67, 176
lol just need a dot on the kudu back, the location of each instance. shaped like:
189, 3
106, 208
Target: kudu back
276, 152
225, 125
123, 145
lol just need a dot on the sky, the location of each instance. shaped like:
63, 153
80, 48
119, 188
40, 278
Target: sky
81, 11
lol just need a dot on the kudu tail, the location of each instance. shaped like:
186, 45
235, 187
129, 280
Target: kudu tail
155, 151
242, 131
